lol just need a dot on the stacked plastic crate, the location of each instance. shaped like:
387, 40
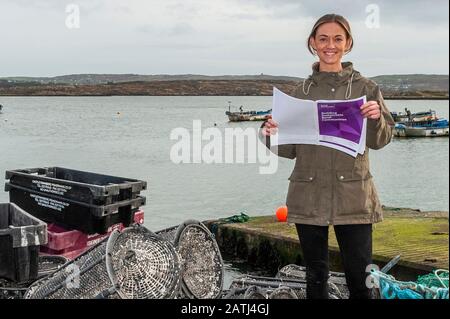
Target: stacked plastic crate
81, 208
20, 237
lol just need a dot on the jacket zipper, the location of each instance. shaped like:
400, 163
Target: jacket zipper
329, 221
333, 157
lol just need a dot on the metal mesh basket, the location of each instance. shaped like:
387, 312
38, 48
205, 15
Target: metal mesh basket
84, 277
268, 287
255, 292
12, 290
46, 266
141, 265
202, 276
168, 233
337, 285
283, 293
49, 264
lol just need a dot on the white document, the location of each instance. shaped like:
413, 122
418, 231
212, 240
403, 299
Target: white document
332, 123
297, 119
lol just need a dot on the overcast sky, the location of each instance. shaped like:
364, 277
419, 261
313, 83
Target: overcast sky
215, 37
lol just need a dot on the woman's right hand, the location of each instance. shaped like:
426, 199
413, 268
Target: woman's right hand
270, 128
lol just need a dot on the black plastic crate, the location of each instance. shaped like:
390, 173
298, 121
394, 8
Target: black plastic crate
20, 237
86, 187
90, 219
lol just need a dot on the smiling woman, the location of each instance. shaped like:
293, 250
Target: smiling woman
329, 187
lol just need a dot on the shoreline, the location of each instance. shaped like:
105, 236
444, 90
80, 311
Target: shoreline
406, 98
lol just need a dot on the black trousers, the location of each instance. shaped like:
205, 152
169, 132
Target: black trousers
355, 244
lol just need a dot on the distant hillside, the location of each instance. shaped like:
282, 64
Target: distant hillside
393, 86
412, 82
81, 79
153, 88
394, 82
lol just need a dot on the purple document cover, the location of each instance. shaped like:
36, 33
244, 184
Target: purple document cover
341, 119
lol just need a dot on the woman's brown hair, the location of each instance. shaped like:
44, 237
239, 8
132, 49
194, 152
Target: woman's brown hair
331, 18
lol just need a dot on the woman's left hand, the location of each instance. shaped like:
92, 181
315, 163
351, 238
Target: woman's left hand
371, 110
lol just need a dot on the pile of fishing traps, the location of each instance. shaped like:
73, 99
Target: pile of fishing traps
180, 262
289, 283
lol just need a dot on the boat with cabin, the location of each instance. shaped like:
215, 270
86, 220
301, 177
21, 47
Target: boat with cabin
241, 115
420, 124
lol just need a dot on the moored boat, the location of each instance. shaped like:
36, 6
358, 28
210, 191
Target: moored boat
402, 130
241, 115
248, 116
407, 116
420, 124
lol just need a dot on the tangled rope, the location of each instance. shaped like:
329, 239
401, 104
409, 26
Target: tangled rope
390, 288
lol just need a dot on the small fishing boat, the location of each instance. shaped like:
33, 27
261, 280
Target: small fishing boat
420, 124
242, 115
248, 116
402, 130
407, 116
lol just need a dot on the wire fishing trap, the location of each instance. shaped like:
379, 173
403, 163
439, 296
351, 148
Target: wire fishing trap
337, 285
202, 275
133, 263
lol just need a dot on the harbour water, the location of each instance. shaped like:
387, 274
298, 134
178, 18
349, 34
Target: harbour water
130, 136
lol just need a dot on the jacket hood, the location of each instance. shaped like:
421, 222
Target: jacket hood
344, 77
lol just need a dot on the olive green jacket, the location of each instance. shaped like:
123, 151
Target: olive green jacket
327, 186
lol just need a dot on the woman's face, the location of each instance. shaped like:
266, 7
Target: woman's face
331, 44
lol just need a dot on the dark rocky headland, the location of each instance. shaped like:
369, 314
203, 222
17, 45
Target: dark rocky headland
393, 86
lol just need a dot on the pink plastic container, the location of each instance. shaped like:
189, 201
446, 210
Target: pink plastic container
72, 243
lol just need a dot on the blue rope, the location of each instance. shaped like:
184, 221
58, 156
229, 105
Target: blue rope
390, 288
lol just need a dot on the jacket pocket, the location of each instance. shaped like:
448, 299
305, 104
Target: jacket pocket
353, 193
302, 193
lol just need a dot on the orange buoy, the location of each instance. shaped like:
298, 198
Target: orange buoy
281, 213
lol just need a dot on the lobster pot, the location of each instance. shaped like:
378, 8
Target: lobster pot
135, 262
168, 234
254, 292
259, 292
337, 285
202, 276
12, 290
48, 264
141, 265
283, 293
257, 287
83, 278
